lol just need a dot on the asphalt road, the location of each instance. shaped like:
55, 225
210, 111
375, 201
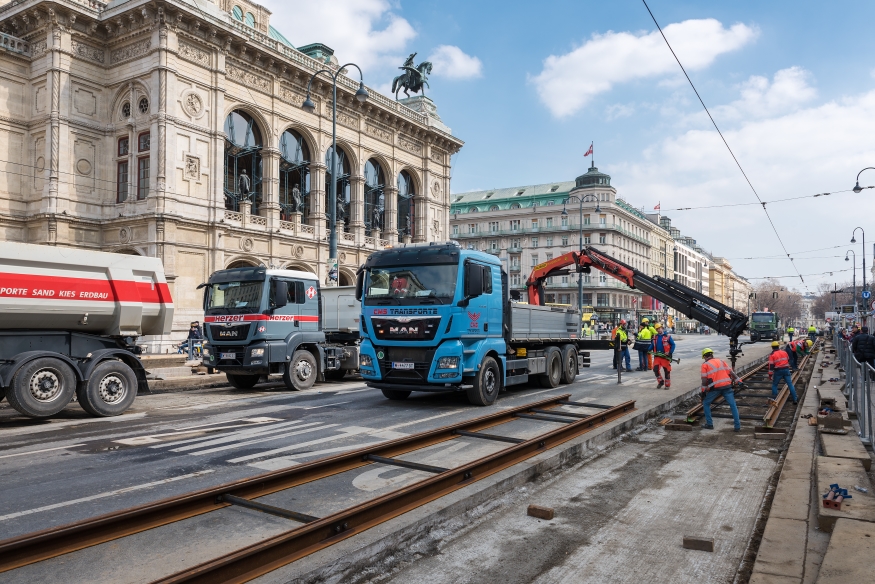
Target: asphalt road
72, 467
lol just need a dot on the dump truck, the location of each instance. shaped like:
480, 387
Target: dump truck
764, 326
69, 321
264, 322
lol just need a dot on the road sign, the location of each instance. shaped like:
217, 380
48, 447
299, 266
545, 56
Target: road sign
873, 305
866, 294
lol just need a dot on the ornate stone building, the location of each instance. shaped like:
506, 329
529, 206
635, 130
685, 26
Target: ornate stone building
173, 129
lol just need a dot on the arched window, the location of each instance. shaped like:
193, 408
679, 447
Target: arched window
406, 207
250, 19
342, 177
238, 13
473, 210
294, 192
515, 206
242, 161
375, 201
493, 208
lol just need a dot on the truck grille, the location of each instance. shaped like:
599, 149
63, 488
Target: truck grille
238, 332
421, 357
402, 329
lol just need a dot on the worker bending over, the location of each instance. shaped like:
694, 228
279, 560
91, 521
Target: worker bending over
717, 380
663, 348
779, 368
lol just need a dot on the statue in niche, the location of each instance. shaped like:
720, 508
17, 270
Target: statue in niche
243, 184
379, 209
407, 226
340, 216
297, 202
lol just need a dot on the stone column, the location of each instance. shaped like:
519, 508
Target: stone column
50, 205
270, 182
161, 176
390, 221
357, 207
316, 216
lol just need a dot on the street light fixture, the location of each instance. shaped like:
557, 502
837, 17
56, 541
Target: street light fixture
847, 259
857, 187
580, 199
853, 240
361, 95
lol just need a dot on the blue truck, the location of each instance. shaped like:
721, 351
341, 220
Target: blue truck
438, 318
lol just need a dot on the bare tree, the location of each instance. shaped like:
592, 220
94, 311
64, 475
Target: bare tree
771, 295
824, 302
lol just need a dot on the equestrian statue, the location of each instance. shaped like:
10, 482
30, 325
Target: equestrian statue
413, 79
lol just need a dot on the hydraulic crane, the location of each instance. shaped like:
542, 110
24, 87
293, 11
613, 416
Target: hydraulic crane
723, 319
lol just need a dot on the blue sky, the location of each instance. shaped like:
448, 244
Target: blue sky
529, 85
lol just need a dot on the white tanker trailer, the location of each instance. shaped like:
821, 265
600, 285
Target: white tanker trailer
69, 320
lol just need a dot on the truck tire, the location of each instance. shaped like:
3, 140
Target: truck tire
569, 364
553, 376
300, 373
42, 387
2, 394
487, 383
239, 381
395, 394
109, 391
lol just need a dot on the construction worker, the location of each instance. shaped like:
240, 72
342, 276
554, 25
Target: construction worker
652, 330
642, 345
790, 332
812, 332
779, 368
624, 345
791, 350
717, 380
663, 349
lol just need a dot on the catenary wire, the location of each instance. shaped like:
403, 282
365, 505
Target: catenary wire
737, 163
765, 202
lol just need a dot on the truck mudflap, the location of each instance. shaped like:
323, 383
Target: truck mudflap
429, 387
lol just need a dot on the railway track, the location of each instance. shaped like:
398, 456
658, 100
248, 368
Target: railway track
308, 534
755, 401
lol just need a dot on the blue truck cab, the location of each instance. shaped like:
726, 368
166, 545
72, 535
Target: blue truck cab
439, 318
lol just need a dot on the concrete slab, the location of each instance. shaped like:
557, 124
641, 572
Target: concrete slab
847, 473
849, 555
845, 446
791, 499
782, 549
760, 578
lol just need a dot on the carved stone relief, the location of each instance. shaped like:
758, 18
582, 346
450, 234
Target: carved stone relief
130, 51
246, 78
246, 244
438, 156
436, 189
124, 235
83, 167
194, 54
290, 96
192, 103
87, 52
298, 250
192, 169
38, 49
379, 132
409, 144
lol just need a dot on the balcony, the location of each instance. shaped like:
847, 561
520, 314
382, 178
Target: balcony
495, 251
514, 268
515, 249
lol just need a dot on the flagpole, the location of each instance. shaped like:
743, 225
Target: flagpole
592, 161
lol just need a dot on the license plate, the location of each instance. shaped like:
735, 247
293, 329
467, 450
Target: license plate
227, 355
402, 365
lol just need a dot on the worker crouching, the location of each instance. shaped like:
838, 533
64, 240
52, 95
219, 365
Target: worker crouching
663, 349
717, 380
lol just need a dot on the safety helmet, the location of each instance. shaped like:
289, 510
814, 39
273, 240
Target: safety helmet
622, 322
645, 320
707, 351
658, 325
776, 344
809, 343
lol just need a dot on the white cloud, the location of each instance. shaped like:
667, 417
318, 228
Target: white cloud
366, 32
619, 110
568, 82
788, 91
451, 62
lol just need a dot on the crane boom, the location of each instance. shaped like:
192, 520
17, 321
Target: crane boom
693, 304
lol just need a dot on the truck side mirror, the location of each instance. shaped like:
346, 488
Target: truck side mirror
280, 294
359, 285
473, 280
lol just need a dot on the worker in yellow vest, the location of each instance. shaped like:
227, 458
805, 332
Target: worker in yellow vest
790, 332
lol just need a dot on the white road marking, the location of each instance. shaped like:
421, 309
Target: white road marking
248, 442
103, 495
327, 405
281, 462
258, 420
370, 480
346, 432
153, 438
54, 425
423, 420
236, 435
43, 450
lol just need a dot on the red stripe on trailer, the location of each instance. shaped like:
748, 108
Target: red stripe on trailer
252, 317
85, 289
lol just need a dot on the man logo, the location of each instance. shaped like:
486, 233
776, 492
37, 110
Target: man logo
404, 330
475, 317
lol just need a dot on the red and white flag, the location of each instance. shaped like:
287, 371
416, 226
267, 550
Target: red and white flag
588, 152
656, 208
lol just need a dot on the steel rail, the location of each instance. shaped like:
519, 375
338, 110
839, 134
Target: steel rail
52, 542
263, 557
698, 408
775, 406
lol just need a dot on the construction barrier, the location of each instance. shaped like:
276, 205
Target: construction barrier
859, 384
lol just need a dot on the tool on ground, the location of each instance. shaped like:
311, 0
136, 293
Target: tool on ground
833, 499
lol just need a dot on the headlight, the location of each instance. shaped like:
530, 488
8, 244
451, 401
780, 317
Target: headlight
206, 351
448, 363
365, 361
257, 352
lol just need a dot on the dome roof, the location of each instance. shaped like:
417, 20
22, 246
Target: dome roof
593, 178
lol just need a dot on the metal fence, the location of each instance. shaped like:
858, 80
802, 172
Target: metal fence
859, 387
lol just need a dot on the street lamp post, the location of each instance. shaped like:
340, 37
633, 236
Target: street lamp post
580, 199
361, 95
855, 277
853, 240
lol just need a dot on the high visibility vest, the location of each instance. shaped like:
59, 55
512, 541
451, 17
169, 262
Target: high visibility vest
652, 330
666, 347
644, 334
779, 359
623, 336
717, 372
792, 345
811, 329
791, 329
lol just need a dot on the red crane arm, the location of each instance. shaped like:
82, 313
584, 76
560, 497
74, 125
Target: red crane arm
582, 261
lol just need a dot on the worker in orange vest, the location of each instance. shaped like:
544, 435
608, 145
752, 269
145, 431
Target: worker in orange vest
717, 380
779, 368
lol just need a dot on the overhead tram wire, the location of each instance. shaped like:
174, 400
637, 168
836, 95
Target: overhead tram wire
830, 272
765, 202
737, 163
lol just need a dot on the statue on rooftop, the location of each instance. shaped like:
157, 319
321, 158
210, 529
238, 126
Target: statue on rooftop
413, 79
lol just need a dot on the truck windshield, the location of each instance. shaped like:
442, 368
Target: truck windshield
412, 284
234, 297
763, 317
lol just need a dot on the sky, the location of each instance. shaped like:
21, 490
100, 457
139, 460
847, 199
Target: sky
529, 86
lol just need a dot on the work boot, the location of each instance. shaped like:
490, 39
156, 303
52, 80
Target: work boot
707, 427
628, 370
736, 429
668, 384
661, 383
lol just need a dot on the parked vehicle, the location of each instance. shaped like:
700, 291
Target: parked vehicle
263, 322
69, 320
764, 326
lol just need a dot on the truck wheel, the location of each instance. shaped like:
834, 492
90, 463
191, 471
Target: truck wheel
301, 371
238, 381
395, 394
42, 387
335, 374
2, 394
109, 391
487, 383
553, 376
569, 364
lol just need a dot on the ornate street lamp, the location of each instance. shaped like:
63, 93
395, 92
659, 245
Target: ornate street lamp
847, 259
361, 95
857, 187
580, 199
853, 240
